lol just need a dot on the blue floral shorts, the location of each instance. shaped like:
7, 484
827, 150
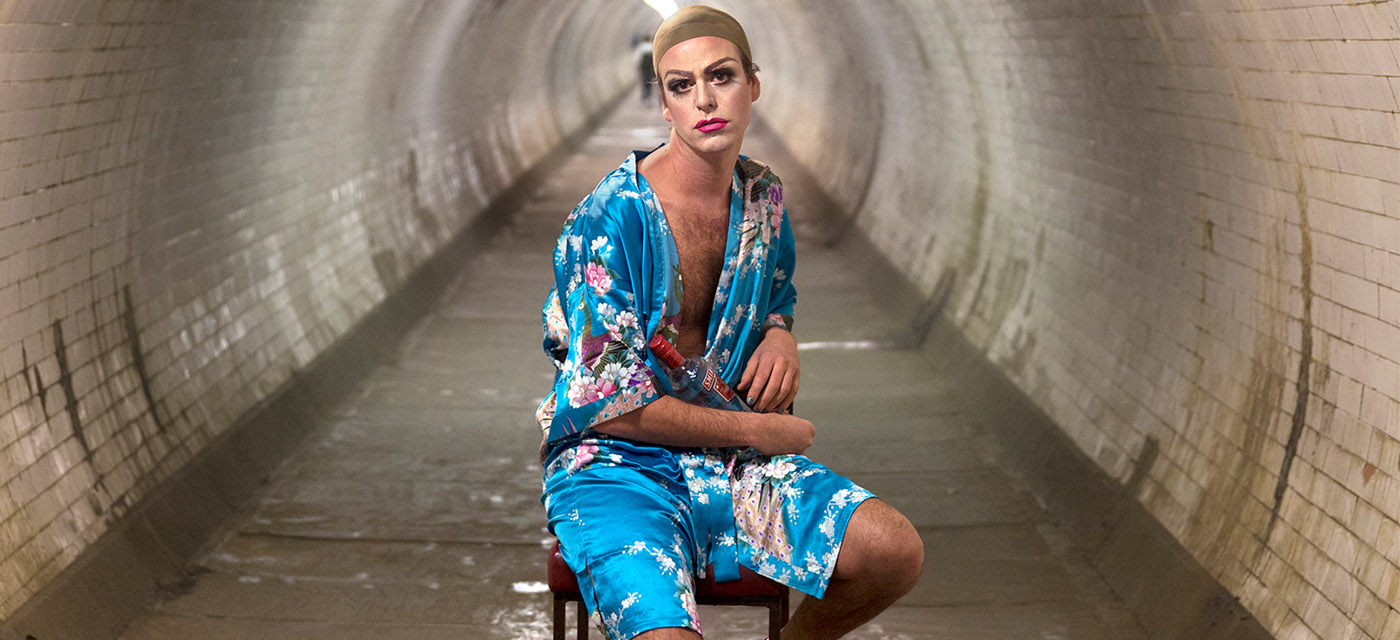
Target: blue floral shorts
638, 522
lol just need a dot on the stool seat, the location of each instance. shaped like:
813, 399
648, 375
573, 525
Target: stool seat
751, 589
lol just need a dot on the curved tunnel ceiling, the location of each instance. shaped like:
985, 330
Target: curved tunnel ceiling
1174, 225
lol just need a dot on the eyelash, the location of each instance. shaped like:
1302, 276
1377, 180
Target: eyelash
720, 76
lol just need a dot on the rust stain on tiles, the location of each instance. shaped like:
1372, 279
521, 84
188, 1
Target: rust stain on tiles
1305, 349
138, 359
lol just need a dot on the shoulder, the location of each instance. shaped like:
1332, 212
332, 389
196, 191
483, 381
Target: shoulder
614, 208
760, 182
619, 187
616, 198
757, 171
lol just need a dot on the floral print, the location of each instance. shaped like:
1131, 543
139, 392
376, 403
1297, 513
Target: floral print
781, 516
687, 512
617, 281
598, 277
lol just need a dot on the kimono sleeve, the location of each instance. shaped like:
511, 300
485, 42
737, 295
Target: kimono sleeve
783, 298
604, 372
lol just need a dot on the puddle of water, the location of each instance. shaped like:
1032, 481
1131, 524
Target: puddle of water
530, 587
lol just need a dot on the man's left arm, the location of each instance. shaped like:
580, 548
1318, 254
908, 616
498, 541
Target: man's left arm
772, 375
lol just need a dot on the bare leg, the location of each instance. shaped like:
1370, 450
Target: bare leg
880, 560
669, 633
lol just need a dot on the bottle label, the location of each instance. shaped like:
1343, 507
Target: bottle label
713, 383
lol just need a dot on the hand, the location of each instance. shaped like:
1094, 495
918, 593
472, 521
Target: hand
771, 378
779, 433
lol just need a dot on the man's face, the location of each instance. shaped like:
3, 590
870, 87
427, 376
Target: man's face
705, 94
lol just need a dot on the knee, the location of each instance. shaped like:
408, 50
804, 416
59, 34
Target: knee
905, 555
895, 551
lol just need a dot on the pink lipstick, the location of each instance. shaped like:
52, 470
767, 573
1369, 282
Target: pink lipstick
713, 124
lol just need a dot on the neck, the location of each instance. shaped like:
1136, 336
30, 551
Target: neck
694, 174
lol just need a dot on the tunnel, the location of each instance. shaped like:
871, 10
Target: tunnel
1162, 237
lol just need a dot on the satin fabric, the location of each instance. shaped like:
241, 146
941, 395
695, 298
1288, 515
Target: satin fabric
635, 521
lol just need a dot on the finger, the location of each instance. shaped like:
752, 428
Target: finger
759, 383
747, 379
771, 388
788, 391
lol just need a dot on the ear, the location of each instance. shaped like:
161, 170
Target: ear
754, 88
665, 110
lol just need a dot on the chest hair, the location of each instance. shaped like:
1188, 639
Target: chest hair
700, 242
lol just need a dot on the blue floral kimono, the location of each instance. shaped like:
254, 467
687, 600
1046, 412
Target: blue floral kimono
634, 520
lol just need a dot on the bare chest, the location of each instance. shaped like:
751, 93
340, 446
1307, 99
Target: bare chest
700, 243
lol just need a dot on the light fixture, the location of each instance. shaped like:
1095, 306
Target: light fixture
663, 7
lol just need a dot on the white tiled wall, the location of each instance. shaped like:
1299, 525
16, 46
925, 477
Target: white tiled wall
224, 188
1155, 210
1148, 206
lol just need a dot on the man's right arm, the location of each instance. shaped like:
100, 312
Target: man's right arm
675, 423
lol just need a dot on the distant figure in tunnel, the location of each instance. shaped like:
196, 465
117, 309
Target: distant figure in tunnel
691, 241
646, 74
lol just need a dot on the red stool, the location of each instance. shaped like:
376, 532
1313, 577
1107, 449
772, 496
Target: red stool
750, 590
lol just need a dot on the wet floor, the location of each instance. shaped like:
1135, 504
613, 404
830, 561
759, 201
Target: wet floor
415, 515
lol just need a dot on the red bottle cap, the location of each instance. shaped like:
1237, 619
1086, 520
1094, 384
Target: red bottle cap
664, 350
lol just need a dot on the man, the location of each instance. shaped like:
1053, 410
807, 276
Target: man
691, 242
646, 69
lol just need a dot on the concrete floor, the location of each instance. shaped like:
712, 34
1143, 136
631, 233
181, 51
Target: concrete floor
416, 514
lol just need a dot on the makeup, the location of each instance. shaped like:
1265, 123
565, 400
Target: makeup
711, 125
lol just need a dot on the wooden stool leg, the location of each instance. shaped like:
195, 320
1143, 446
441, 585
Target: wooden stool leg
582, 621
775, 628
559, 628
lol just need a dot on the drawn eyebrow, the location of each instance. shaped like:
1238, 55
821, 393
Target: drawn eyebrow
717, 63
708, 69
